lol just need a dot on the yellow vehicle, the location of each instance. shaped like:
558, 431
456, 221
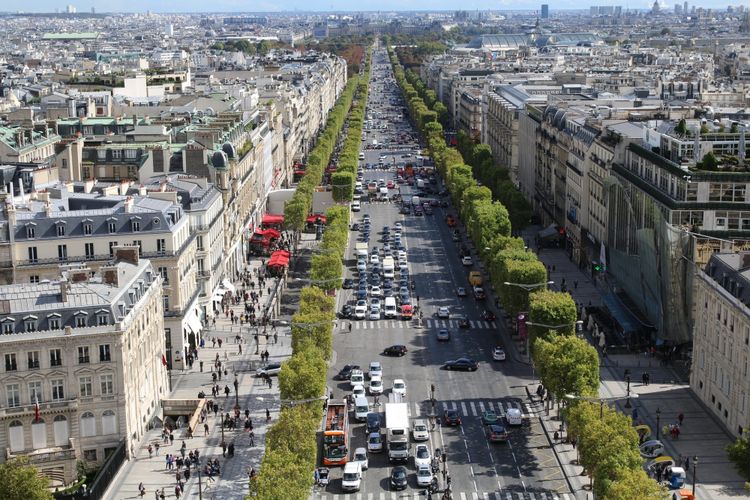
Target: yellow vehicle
644, 432
475, 278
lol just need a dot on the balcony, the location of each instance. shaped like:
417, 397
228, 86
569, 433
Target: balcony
45, 455
47, 406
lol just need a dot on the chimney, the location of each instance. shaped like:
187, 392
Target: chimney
79, 275
64, 289
135, 120
48, 209
124, 185
142, 190
109, 275
126, 253
68, 330
88, 185
128, 204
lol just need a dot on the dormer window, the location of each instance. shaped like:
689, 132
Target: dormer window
135, 224
81, 317
112, 225
8, 325
156, 221
53, 321
60, 226
88, 227
102, 319
31, 230
29, 323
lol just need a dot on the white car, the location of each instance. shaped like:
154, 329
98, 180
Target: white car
424, 476
362, 266
467, 261
376, 386
398, 225
422, 456
399, 387
374, 314
374, 259
360, 455
358, 391
374, 442
360, 310
419, 430
376, 369
356, 206
375, 303
376, 291
401, 254
443, 313
498, 354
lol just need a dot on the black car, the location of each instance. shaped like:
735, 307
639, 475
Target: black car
373, 423
451, 417
395, 350
465, 364
355, 226
348, 283
346, 311
345, 372
398, 478
488, 315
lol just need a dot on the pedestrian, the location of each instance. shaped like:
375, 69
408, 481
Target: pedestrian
574, 441
687, 464
276, 335
226, 391
141, 489
183, 449
251, 434
161, 492
575, 285
156, 494
167, 461
205, 429
177, 490
157, 446
270, 383
350, 327
150, 451
680, 418
643, 378
268, 414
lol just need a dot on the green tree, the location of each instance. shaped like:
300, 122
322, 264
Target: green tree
316, 326
681, 128
314, 299
326, 270
514, 298
567, 365
303, 375
343, 186
631, 484
739, 453
555, 309
281, 471
20, 480
709, 161
735, 128
295, 430
295, 214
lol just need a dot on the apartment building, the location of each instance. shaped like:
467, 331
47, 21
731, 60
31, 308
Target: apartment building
24, 144
83, 367
84, 222
721, 339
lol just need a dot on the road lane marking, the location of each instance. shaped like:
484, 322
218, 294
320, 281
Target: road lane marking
481, 406
473, 408
463, 409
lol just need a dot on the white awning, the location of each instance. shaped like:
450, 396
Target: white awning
193, 322
228, 285
218, 295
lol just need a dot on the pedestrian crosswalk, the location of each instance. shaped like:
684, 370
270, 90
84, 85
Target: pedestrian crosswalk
428, 323
503, 494
467, 409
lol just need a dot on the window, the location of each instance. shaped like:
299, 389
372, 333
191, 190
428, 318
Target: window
107, 383
10, 362
85, 387
33, 357
83, 354
60, 229
104, 353
58, 389
156, 221
111, 227
88, 424
13, 393
30, 231
139, 244
199, 242
161, 245
102, 319
32, 254
109, 423
29, 324
131, 153
35, 392
89, 455
54, 323
55, 357
112, 245
16, 437
88, 228
164, 275
136, 226
89, 247
8, 327
34, 278
81, 320
165, 302
62, 252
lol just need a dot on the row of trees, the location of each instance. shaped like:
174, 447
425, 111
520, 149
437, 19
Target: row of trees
342, 181
567, 365
291, 443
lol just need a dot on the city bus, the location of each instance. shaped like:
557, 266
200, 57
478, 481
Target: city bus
336, 433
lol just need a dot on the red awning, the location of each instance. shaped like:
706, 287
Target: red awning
269, 233
273, 219
279, 258
314, 218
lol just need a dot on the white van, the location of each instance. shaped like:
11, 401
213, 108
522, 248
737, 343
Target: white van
357, 378
356, 207
514, 416
352, 476
391, 311
361, 409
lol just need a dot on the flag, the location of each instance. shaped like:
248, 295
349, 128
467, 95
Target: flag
36, 408
163, 360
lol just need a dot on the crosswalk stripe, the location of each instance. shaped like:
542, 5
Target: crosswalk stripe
473, 408
481, 406
428, 323
543, 495
370, 496
508, 495
531, 496
463, 408
520, 495
453, 406
463, 496
494, 325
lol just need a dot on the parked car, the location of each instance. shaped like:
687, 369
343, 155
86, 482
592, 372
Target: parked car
498, 354
395, 350
270, 370
345, 372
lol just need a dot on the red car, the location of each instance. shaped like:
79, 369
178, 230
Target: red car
451, 417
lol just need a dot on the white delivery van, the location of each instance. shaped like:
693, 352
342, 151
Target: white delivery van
361, 409
352, 476
357, 378
391, 311
415, 201
389, 268
514, 416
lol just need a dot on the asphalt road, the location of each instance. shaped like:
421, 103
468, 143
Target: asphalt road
522, 468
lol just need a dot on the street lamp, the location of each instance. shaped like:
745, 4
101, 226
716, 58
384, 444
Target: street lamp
627, 403
658, 422
550, 327
200, 486
695, 472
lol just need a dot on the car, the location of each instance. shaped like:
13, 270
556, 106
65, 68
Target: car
363, 285
419, 430
361, 294
376, 386
398, 478
376, 291
464, 364
461, 291
374, 302
443, 312
386, 238
345, 372
434, 203
375, 442
498, 354
361, 267
424, 475
422, 456
346, 311
360, 455
496, 433
451, 417
348, 283
404, 299
358, 391
395, 350
360, 310
488, 315
270, 370
376, 369
374, 259
373, 422
374, 314
479, 293
386, 229
489, 417
467, 260
463, 321
443, 335
355, 226
399, 387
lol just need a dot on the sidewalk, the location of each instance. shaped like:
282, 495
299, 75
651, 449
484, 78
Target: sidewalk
233, 481
701, 434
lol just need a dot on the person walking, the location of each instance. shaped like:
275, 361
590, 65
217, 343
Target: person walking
680, 418
177, 491
205, 429
251, 435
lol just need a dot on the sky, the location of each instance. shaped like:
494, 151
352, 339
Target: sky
309, 5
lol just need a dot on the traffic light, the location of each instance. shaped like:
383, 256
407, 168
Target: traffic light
597, 267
